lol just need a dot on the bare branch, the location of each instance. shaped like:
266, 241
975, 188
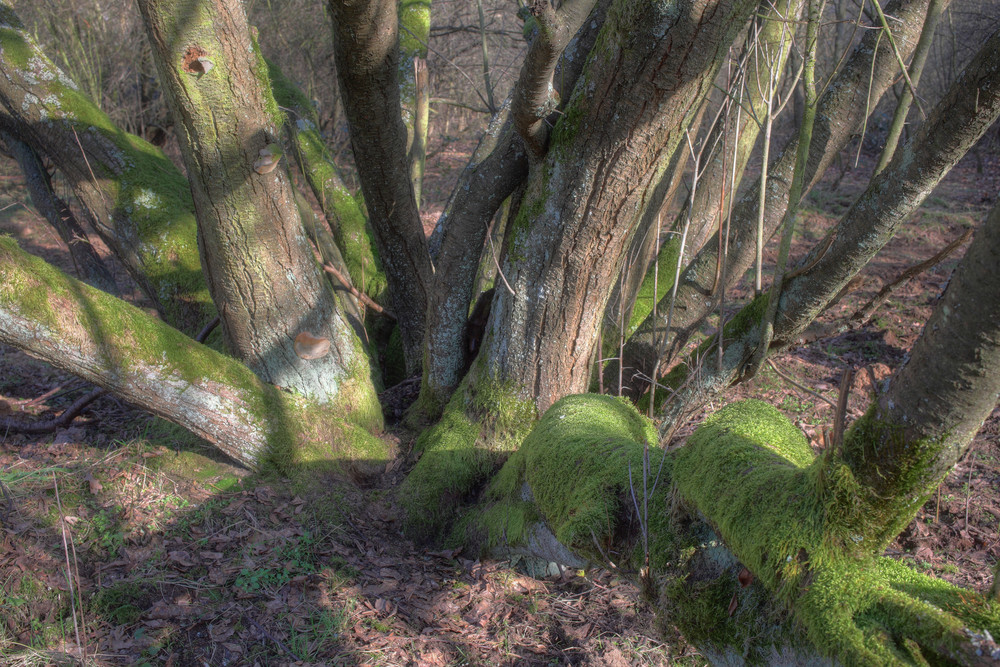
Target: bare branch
534, 96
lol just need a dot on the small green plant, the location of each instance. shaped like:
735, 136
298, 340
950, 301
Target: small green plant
293, 558
120, 604
105, 530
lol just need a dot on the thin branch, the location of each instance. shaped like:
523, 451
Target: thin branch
788, 378
353, 290
899, 56
57, 423
865, 313
534, 97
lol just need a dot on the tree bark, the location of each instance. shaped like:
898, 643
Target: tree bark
498, 166
260, 267
140, 202
366, 45
157, 368
88, 263
583, 202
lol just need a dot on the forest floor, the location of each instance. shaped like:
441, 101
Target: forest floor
123, 538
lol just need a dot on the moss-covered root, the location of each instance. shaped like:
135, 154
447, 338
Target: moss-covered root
155, 367
578, 477
797, 523
480, 427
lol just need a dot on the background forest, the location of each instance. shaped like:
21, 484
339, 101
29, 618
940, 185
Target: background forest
424, 539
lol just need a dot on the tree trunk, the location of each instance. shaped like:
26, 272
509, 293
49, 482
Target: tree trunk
140, 202
498, 166
273, 302
567, 244
157, 368
366, 45
87, 262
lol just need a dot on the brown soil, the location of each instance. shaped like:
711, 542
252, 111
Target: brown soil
181, 559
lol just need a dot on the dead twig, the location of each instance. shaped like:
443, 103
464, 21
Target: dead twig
788, 378
368, 301
839, 417
51, 425
278, 642
866, 312
209, 328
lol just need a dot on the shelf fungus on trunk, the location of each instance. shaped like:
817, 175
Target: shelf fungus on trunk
308, 346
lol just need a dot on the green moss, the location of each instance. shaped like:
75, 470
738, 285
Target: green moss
121, 603
870, 444
661, 273
415, 27
297, 432
350, 228
798, 522
479, 427
149, 198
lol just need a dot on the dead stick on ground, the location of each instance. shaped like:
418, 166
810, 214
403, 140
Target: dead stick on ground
353, 290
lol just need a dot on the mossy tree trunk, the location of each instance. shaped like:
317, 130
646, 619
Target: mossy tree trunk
272, 298
157, 368
140, 203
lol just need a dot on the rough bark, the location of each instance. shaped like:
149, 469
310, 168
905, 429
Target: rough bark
146, 362
88, 263
258, 260
937, 401
140, 202
498, 166
366, 45
841, 112
628, 114
342, 210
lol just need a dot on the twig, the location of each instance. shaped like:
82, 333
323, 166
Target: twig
788, 378
69, 570
496, 261
968, 489
838, 418
368, 301
50, 425
277, 641
49, 394
865, 313
204, 333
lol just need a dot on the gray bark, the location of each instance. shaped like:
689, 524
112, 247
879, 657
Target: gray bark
841, 112
366, 45
259, 262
